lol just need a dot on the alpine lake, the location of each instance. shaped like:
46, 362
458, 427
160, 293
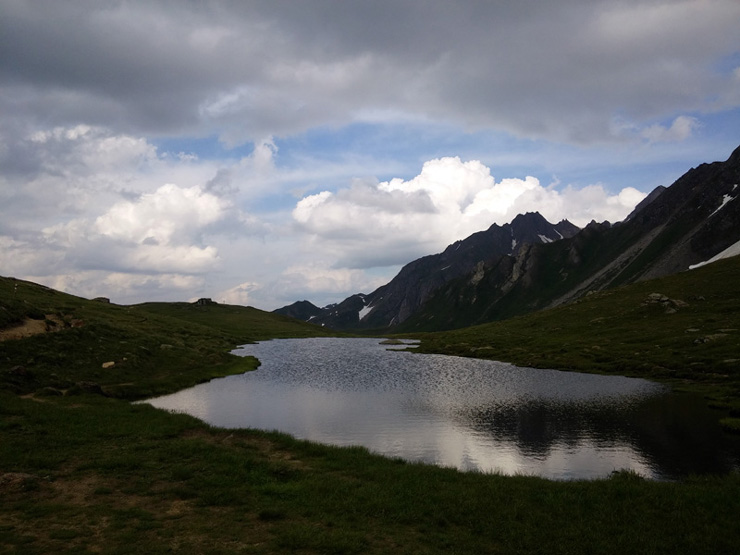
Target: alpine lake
470, 414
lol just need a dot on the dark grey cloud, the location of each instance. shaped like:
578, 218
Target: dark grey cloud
87, 87
139, 64
558, 70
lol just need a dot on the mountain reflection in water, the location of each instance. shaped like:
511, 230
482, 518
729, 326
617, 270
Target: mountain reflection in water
466, 413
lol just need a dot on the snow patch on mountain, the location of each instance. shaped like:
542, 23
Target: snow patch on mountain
364, 312
732, 250
725, 200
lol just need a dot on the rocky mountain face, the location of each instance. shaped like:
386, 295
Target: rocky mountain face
301, 310
531, 264
395, 302
683, 225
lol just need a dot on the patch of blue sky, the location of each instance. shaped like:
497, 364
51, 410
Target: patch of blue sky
278, 203
719, 133
728, 64
405, 146
359, 140
399, 150
205, 148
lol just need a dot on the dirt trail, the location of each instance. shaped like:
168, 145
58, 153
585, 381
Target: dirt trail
31, 327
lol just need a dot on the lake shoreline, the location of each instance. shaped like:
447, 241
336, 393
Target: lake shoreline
375, 400
83, 469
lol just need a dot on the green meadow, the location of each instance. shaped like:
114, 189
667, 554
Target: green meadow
82, 469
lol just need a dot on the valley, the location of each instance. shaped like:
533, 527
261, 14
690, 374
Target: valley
531, 264
83, 469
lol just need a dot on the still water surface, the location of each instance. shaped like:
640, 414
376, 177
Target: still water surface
465, 413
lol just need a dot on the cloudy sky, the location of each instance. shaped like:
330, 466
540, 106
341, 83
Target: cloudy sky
263, 152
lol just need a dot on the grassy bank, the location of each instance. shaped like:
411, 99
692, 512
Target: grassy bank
125, 351
84, 470
90, 474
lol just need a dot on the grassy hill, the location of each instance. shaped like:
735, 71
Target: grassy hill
682, 329
83, 470
155, 347
238, 321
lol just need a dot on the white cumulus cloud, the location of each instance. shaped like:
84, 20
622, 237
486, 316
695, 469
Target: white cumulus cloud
159, 232
89, 207
169, 215
681, 129
393, 222
239, 294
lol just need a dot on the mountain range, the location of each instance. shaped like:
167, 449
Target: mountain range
531, 264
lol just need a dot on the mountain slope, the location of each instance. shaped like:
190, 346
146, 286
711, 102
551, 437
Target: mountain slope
685, 326
301, 310
687, 223
395, 302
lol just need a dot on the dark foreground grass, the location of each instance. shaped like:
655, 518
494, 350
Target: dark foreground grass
91, 474
84, 470
126, 351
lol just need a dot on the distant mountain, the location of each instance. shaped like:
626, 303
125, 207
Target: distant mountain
531, 264
396, 301
676, 227
300, 310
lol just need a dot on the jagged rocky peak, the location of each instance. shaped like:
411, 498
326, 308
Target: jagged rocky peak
418, 280
654, 194
536, 221
301, 310
533, 228
566, 229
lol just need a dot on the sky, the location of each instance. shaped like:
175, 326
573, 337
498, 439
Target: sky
265, 152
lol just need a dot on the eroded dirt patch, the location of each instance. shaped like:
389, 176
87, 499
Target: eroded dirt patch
15, 481
30, 327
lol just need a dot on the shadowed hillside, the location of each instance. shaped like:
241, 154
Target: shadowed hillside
81, 470
146, 349
684, 329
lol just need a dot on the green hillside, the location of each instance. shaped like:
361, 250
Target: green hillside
683, 329
84, 470
239, 321
155, 347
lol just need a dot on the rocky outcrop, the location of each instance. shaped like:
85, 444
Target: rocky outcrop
32, 326
670, 306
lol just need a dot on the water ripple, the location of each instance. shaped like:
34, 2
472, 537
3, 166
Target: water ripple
465, 413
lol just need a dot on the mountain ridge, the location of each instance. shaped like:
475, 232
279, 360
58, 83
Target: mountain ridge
668, 235
531, 264
394, 302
